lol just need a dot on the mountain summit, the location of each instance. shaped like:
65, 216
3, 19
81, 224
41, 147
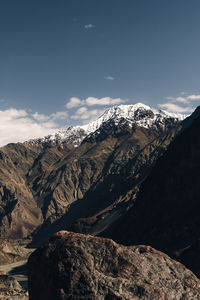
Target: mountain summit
137, 114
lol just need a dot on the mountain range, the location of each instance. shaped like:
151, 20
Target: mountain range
83, 177
132, 175
137, 114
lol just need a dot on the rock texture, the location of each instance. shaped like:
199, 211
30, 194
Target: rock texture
77, 266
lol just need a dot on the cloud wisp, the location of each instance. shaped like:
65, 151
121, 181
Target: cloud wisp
85, 112
91, 101
180, 104
171, 107
74, 102
109, 78
88, 26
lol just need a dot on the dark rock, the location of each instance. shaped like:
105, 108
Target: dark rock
77, 266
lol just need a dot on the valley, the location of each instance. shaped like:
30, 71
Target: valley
132, 176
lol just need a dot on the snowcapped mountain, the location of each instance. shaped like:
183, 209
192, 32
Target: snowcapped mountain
138, 114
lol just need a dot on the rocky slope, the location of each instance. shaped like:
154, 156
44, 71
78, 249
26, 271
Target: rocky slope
99, 179
19, 211
77, 266
11, 289
56, 182
166, 213
16, 199
12, 251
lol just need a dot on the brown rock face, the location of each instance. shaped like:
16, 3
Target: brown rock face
77, 266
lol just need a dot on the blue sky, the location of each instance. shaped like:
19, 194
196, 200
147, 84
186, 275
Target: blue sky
55, 55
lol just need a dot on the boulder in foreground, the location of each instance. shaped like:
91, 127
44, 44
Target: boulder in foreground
77, 266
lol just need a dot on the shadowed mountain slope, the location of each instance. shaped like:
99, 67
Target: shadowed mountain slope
99, 180
166, 213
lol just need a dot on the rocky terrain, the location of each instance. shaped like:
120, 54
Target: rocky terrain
13, 278
11, 289
83, 181
77, 266
12, 251
166, 212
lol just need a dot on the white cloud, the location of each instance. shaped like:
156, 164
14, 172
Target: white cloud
104, 101
181, 104
185, 98
109, 77
81, 110
181, 99
59, 115
13, 113
40, 117
193, 97
171, 107
90, 101
86, 114
18, 126
88, 26
73, 102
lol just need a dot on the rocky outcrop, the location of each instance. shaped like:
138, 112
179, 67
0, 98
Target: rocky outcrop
77, 266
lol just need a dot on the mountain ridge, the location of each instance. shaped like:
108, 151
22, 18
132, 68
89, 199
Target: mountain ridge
133, 114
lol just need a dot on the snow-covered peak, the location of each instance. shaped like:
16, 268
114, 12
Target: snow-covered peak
139, 114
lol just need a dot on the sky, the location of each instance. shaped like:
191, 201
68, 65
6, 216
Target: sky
63, 62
